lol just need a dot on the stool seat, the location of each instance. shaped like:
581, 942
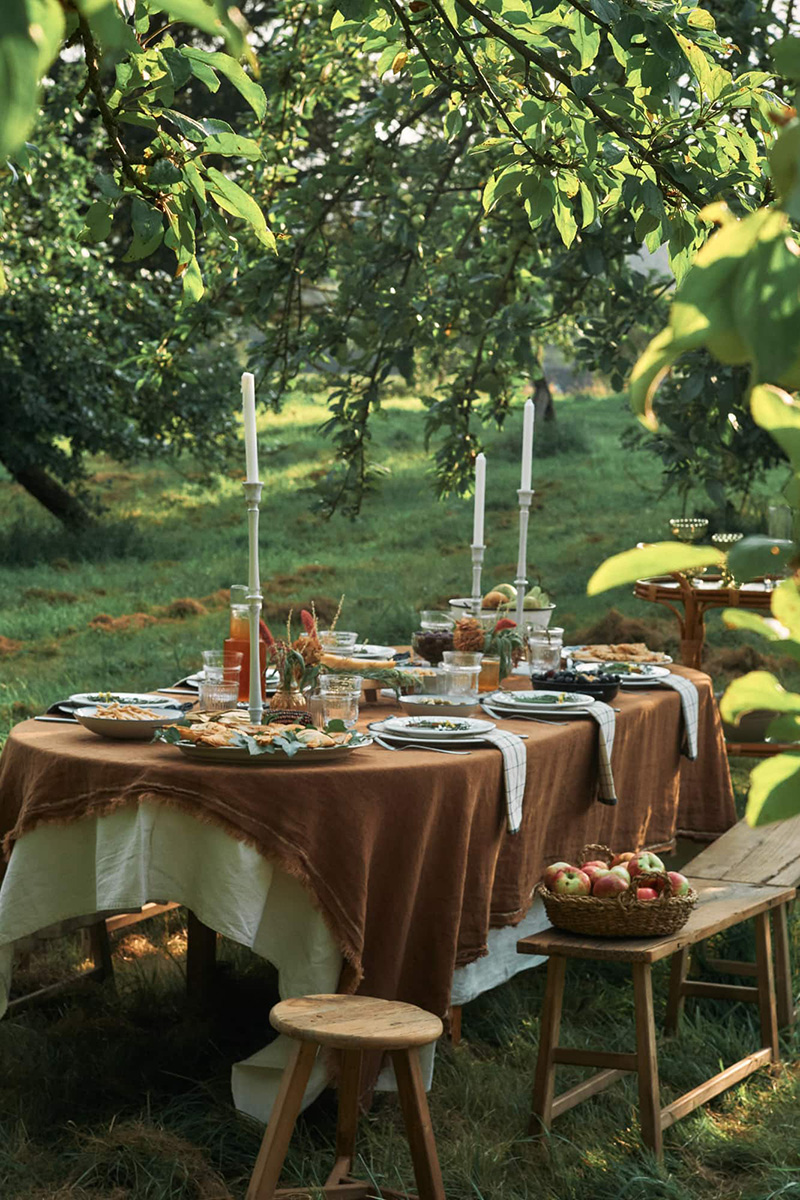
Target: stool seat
355, 1022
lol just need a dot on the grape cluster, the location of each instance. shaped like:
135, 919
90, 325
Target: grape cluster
575, 678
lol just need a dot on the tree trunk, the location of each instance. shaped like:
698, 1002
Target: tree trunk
53, 495
543, 405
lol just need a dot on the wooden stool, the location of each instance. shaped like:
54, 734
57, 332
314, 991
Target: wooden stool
720, 906
351, 1024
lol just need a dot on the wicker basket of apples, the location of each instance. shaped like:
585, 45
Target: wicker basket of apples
616, 895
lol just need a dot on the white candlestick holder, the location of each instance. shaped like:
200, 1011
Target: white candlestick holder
477, 568
252, 492
521, 583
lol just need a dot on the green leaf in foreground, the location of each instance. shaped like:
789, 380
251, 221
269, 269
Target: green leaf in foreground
235, 200
759, 555
659, 558
774, 790
757, 690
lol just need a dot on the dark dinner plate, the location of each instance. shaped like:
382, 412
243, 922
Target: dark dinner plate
600, 689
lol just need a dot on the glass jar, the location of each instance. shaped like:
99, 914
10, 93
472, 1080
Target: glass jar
340, 696
461, 681
544, 647
337, 641
489, 678
238, 640
431, 644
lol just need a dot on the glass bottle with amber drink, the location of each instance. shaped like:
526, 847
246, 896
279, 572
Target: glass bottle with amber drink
239, 640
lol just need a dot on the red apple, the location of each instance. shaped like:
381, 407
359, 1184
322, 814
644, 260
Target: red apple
571, 882
552, 871
646, 893
622, 873
594, 862
594, 871
619, 859
644, 861
680, 884
610, 884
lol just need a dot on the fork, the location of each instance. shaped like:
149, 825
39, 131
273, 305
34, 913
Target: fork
416, 746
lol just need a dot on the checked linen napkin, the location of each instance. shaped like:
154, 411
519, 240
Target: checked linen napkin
515, 766
690, 707
607, 723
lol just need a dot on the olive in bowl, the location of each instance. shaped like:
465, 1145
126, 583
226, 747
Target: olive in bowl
602, 687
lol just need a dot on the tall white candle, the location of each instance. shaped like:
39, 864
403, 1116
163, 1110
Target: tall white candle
480, 500
527, 447
249, 412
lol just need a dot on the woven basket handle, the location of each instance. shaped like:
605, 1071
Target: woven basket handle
642, 880
595, 850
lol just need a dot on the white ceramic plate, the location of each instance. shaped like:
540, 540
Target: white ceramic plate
570, 652
437, 706
431, 727
380, 730
129, 731
144, 699
640, 674
240, 756
539, 701
367, 650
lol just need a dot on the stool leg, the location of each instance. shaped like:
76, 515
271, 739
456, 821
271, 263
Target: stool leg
647, 1059
783, 967
269, 1163
678, 971
347, 1118
417, 1119
765, 982
549, 1026
455, 1024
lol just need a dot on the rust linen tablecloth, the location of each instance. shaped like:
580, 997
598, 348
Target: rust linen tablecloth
406, 855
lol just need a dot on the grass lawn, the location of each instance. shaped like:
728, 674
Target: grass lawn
125, 1096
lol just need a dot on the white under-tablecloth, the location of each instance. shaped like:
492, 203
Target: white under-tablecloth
146, 852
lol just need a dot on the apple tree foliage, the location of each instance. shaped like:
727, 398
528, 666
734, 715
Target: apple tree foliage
740, 301
449, 182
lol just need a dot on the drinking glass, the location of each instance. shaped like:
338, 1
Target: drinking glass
217, 695
428, 619
461, 682
340, 697
463, 658
338, 641
544, 649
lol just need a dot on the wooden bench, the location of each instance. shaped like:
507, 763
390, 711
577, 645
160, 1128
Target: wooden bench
769, 855
720, 905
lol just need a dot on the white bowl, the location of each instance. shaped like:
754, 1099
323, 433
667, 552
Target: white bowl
132, 730
440, 706
539, 618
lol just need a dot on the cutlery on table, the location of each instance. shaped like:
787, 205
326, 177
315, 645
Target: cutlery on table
416, 746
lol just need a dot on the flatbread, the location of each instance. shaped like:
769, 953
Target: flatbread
632, 652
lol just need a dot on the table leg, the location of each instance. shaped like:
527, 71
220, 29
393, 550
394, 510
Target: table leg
675, 1000
647, 1059
549, 1026
201, 957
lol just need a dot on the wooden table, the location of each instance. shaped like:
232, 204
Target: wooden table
697, 598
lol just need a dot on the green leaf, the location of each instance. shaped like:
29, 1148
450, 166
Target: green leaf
742, 618
774, 790
236, 201
786, 56
754, 691
777, 412
250, 91
786, 606
699, 18
98, 220
27, 47
659, 558
146, 221
586, 40
565, 221
193, 288
163, 173
232, 144
759, 555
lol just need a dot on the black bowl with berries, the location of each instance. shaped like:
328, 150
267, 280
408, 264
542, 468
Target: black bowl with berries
602, 687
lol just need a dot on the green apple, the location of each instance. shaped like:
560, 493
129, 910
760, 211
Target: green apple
508, 590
